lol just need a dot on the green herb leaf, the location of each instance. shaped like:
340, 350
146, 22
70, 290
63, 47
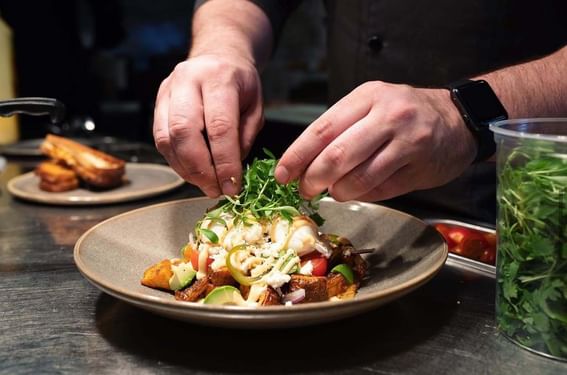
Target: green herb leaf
212, 236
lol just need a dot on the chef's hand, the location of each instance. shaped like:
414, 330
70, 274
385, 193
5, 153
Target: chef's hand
380, 141
207, 115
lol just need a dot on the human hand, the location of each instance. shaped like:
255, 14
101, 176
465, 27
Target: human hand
207, 115
380, 141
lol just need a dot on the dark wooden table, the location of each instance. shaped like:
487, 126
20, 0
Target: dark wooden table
53, 321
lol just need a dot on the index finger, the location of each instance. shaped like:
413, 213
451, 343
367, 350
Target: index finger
319, 135
222, 114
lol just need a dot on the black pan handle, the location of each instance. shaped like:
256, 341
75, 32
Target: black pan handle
35, 107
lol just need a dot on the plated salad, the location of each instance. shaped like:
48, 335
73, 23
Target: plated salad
262, 247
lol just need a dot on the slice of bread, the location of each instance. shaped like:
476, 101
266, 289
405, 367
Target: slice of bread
55, 177
96, 168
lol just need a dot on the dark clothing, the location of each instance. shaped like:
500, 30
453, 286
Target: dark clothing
428, 43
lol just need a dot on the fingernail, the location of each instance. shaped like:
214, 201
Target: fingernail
229, 187
282, 174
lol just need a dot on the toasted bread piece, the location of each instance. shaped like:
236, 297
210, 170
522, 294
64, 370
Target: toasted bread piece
55, 177
95, 168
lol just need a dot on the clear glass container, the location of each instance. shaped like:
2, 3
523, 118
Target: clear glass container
531, 262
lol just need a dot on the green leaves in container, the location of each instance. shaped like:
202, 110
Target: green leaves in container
532, 256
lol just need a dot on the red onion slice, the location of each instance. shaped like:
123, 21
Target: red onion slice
295, 297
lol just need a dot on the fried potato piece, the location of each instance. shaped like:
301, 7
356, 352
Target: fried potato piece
315, 287
269, 298
221, 277
349, 293
158, 275
195, 292
336, 284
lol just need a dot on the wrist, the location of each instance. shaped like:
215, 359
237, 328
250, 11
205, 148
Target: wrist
234, 29
453, 120
478, 106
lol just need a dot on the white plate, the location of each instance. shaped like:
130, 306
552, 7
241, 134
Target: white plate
143, 180
114, 254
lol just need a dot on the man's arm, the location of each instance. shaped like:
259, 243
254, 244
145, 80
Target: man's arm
409, 138
209, 110
233, 28
533, 89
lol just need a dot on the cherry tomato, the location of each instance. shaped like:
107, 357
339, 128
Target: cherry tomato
474, 245
491, 239
469, 243
488, 256
444, 229
458, 234
318, 261
195, 259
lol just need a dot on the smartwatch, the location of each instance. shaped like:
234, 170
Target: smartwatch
479, 106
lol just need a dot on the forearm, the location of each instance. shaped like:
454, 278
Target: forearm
232, 27
534, 89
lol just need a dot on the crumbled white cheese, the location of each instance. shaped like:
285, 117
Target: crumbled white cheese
219, 259
276, 278
307, 268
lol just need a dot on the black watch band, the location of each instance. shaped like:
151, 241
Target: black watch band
479, 106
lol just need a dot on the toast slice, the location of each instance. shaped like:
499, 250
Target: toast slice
96, 168
56, 178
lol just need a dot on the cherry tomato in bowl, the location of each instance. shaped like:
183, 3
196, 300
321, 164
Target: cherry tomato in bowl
468, 242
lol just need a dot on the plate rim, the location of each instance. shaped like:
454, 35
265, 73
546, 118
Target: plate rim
87, 201
368, 300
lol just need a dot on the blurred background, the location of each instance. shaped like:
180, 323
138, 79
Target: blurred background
105, 60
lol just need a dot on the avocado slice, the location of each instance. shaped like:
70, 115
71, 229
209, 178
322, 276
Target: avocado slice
183, 274
224, 295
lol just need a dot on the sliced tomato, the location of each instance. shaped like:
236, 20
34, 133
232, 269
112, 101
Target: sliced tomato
472, 246
444, 229
491, 239
458, 234
195, 259
318, 261
469, 243
488, 256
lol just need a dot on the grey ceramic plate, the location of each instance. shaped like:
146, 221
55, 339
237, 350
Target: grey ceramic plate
143, 180
114, 254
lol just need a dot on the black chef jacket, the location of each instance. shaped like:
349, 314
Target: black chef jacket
429, 43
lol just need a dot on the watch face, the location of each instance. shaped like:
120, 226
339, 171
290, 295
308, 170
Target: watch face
480, 103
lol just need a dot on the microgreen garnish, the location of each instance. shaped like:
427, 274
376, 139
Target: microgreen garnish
212, 236
262, 197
